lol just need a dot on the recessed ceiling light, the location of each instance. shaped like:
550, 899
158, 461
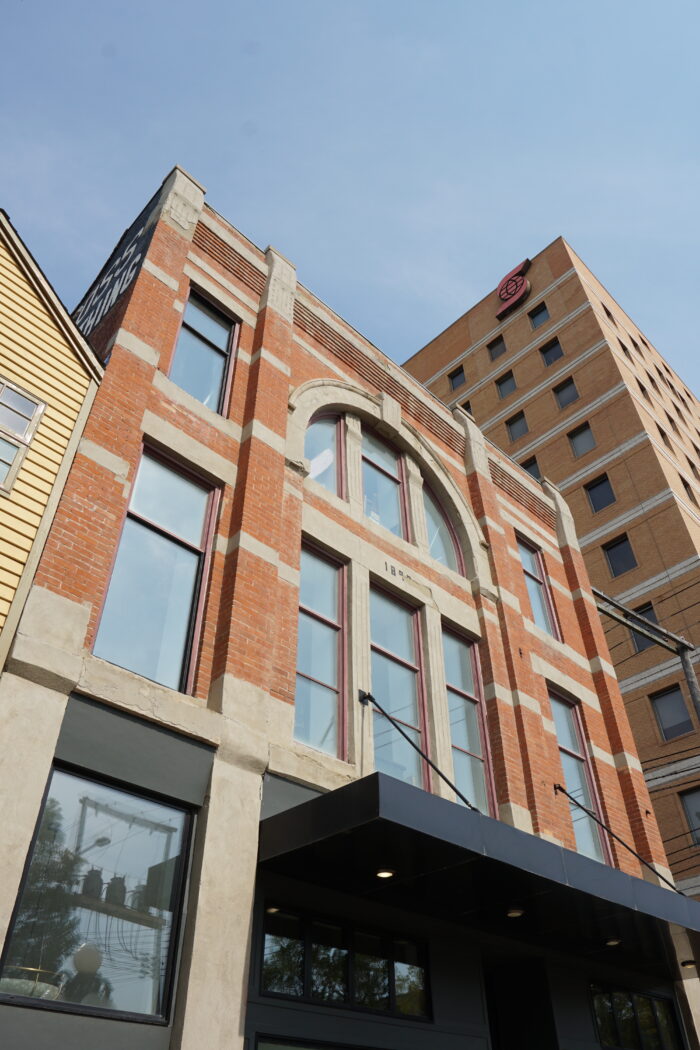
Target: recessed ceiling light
687, 963
515, 912
385, 873
272, 910
612, 942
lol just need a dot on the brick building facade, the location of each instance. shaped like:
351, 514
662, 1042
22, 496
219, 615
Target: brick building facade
566, 383
269, 531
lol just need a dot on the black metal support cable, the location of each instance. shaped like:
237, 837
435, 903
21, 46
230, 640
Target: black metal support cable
558, 787
365, 698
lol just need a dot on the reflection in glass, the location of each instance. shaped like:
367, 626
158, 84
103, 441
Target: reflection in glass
283, 955
316, 716
586, 832
318, 655
321, 449
440, 542
381, 482
392, 626
393, 755
319, 585
201, 354
371, 972
8, 451
409, 980
602, 1005
170, 500
329, 963
95, 916
628, 1033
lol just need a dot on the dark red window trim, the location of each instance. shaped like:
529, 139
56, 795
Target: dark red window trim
399, 478
543, 581
231, 351
341, 486
450, 528
478, 699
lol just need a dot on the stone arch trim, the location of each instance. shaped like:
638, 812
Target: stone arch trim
384, 413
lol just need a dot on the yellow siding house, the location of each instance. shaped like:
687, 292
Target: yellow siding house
48, 379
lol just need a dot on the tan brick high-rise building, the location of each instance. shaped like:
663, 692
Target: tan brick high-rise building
559, 377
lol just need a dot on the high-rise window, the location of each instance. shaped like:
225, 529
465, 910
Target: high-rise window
551, 352
397, 683
565, 393
581, 439
517, 426
466, 721
149, 618
537, 589
691, 805
538, 315
200, 363
456, 377
600, 493
496, 347
577, 777
640, 641
505, 385
442, 543
322, 446
671, 713
619, 555
98, 909
532, 467
383, 482
318, 701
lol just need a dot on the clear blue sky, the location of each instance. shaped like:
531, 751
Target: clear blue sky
404, 155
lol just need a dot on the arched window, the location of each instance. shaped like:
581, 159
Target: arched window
383, 483
323, 448
442, 543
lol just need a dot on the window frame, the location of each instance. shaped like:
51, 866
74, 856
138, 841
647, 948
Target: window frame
478, 700
585, 759
459, 557
546, 347
693, 830
566, 384
418, 668
503, 380
537, 312
341, 454
532, 461
341, 626
350, 929
542, 583
646, 643
605, 988
658, 694
573, 434
230, 354
192, 646
499, 346
518, 416
401, 480
189, 812
597, 481
617, 541
21, 442
457, 377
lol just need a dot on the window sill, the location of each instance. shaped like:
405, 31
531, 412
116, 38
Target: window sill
197, 408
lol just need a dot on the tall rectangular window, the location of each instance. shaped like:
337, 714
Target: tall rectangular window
456, 378
397, 683
19, 418
691, 805
318, 701
671, 713
640, 641
496, 347
200, 363
323, 443
581, 439
466, 721
577, 778
149, 618
383, 483
98, 910
537, 589
505, 385
517, 426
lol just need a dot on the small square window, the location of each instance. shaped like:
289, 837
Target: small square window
517, 426
467, 406
456, 378
581, 439
532, 467
671, 713
551, 352
640, 641
619, 555
600, 493
506, 384
496, 347
538, 315
565, 393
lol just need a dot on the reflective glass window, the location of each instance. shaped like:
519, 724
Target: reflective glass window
581, 439
382, 484
97, 914
517, 426
466, 729
576, 779
441, 543
538, 593
671, 712
619, 555
201, 356
321, 449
